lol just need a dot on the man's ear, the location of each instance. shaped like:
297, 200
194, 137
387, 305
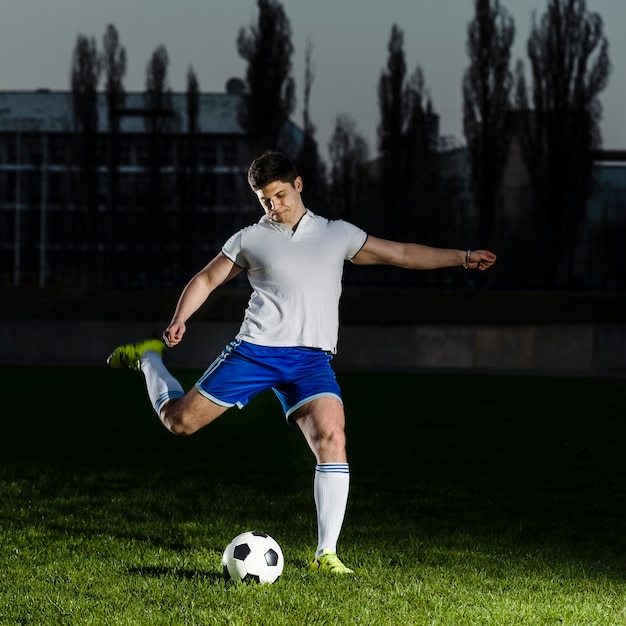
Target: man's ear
298, 184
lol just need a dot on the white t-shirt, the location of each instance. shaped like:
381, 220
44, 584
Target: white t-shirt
296, 278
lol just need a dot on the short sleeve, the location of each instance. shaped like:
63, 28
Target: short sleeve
356, 239
233, 249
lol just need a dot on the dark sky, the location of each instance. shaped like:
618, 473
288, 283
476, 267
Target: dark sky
349, 48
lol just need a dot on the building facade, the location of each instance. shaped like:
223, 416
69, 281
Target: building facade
148, 199
139, 203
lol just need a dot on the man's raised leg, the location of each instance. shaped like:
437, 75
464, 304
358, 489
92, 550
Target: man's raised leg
181, 413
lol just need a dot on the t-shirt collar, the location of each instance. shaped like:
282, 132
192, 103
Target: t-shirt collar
307, 216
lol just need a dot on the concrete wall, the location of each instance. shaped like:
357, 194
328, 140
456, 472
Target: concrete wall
573, 349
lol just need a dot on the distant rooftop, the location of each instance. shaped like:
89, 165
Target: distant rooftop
51, 111
610, 157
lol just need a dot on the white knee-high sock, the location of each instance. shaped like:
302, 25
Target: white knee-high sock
161, 385
330, 489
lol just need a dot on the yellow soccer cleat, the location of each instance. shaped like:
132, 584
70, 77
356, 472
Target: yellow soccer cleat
330, 562
128, 355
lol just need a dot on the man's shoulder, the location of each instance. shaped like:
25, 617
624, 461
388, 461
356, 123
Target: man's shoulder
262, 225
332, 222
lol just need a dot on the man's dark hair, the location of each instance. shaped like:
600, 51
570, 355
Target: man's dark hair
270, 167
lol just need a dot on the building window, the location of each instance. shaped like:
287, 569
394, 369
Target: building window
229, 152
208, 152
57, 149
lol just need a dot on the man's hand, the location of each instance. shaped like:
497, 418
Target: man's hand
481, 260
173, 334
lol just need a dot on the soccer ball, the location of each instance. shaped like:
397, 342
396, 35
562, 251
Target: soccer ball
253, 556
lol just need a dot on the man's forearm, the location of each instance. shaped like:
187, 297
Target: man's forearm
420, 257
191, 299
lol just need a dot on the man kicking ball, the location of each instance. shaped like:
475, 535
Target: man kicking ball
294, 262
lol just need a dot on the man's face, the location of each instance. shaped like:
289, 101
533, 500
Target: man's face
282, 202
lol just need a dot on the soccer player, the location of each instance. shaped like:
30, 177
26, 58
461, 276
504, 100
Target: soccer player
294, 263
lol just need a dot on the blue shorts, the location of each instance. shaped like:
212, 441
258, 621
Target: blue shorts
243, 370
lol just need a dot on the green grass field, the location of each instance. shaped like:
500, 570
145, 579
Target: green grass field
475, 500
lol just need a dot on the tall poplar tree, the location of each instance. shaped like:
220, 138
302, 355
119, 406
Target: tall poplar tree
159, 116
114, 66
487, 101
189, 177
269, 98
570, 67
308, 161
85, 76
407, 136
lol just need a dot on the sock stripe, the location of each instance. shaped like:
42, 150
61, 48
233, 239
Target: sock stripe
166, 396
332, 468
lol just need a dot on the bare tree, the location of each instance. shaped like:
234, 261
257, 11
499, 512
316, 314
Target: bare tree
349, 153
85, 76
114, 65
570, 66
487, 89
269, 99
309, 164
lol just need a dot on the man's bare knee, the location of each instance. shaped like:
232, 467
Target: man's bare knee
189, 414
322, 422
331, 435
173, 418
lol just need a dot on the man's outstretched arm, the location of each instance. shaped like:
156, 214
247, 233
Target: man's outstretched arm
415, 256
